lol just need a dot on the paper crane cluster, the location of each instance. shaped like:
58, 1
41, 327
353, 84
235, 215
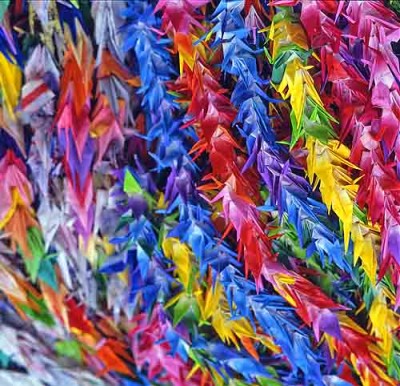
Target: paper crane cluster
199, 192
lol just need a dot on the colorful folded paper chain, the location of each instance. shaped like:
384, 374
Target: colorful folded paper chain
199, 192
